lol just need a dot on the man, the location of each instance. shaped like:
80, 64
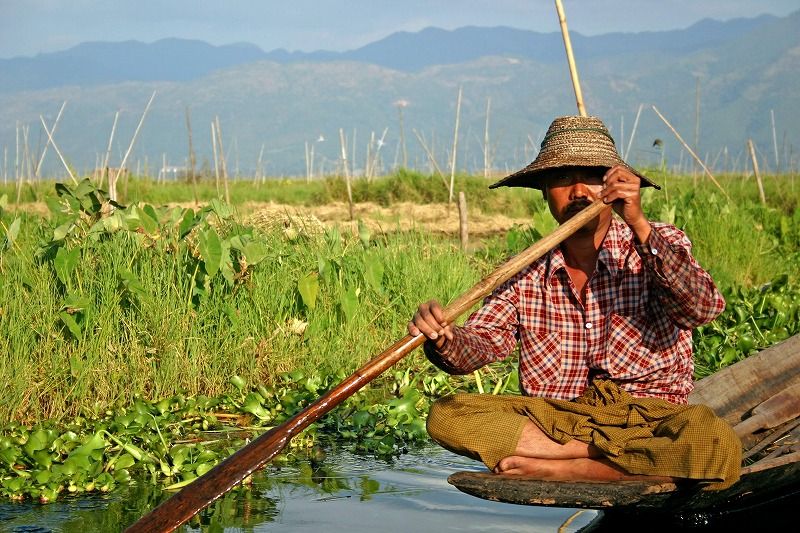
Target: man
604, 325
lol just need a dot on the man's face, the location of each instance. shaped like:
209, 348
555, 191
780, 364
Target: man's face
569, 190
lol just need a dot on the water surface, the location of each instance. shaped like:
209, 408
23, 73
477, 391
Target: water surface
341, 491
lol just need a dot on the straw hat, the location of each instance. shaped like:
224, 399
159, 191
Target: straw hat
571, 142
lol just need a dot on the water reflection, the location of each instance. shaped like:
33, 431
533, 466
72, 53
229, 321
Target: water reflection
338, 490
330, 491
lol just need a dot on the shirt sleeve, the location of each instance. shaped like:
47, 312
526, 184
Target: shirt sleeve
682, 287
489, 334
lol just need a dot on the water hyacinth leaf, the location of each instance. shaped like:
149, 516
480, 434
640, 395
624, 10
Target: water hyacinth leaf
37, 440
252, 404
125, 460
308, 286
43, 458
8, 456
93, 443
349, 303
210, 248
65, 262
374, 273
202, 468
238, 382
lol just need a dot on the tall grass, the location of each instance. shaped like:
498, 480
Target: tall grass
317, 301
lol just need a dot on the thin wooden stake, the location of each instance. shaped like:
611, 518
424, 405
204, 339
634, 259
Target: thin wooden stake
755, 171
455, 149
775, 143
191, 157
486, 158
346, 172
463, 231
222, 163
633, 132
130, 147
693, 154
55, 147
104, 169
430, 156
216, 163
53, 131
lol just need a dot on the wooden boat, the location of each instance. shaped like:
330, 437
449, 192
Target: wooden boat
771, 458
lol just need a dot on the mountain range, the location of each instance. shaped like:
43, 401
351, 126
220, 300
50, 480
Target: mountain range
718, 84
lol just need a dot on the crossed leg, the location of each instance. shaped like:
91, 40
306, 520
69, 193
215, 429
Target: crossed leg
539, 457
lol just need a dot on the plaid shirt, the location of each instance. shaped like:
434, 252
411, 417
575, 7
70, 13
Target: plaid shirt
635, 326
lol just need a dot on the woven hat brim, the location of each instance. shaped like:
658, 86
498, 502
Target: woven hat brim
572, 141
533, 178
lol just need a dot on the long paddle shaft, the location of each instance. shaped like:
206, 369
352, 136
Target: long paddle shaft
175, 511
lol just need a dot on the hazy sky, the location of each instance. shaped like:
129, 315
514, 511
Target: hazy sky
29, 27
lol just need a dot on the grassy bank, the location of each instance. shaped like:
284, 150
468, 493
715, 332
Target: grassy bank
149, 342
160, 301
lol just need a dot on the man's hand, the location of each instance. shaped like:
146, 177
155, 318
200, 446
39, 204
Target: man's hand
621, 188
429, 320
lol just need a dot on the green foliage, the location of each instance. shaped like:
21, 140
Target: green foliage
100, 299
754, 318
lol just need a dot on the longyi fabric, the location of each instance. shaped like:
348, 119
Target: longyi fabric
642, 435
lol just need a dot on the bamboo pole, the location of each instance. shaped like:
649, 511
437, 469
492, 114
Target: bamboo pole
775, 143
633, 132
486, 158
55, 147
53, 131
104, 170
755, 171
216, 162
463, 231
400, 105
430, 156
130, 146
455, 150
222, 162
570, 58
191, 158
693, 154
346, 173
206, 489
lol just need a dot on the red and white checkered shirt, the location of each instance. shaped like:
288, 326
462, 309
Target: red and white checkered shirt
635, 327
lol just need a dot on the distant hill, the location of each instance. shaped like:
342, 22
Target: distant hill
274, 106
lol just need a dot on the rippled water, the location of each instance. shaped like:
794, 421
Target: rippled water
341, 492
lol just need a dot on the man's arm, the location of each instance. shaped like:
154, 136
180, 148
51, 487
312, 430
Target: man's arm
490, 333
683, 288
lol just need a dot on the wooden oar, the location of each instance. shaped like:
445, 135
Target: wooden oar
772, 412
175, 511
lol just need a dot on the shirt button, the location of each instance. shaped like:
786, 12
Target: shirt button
588, 325
654, 251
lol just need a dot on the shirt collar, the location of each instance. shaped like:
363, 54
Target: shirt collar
617, 245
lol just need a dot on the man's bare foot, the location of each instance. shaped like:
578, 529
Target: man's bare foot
581, 469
